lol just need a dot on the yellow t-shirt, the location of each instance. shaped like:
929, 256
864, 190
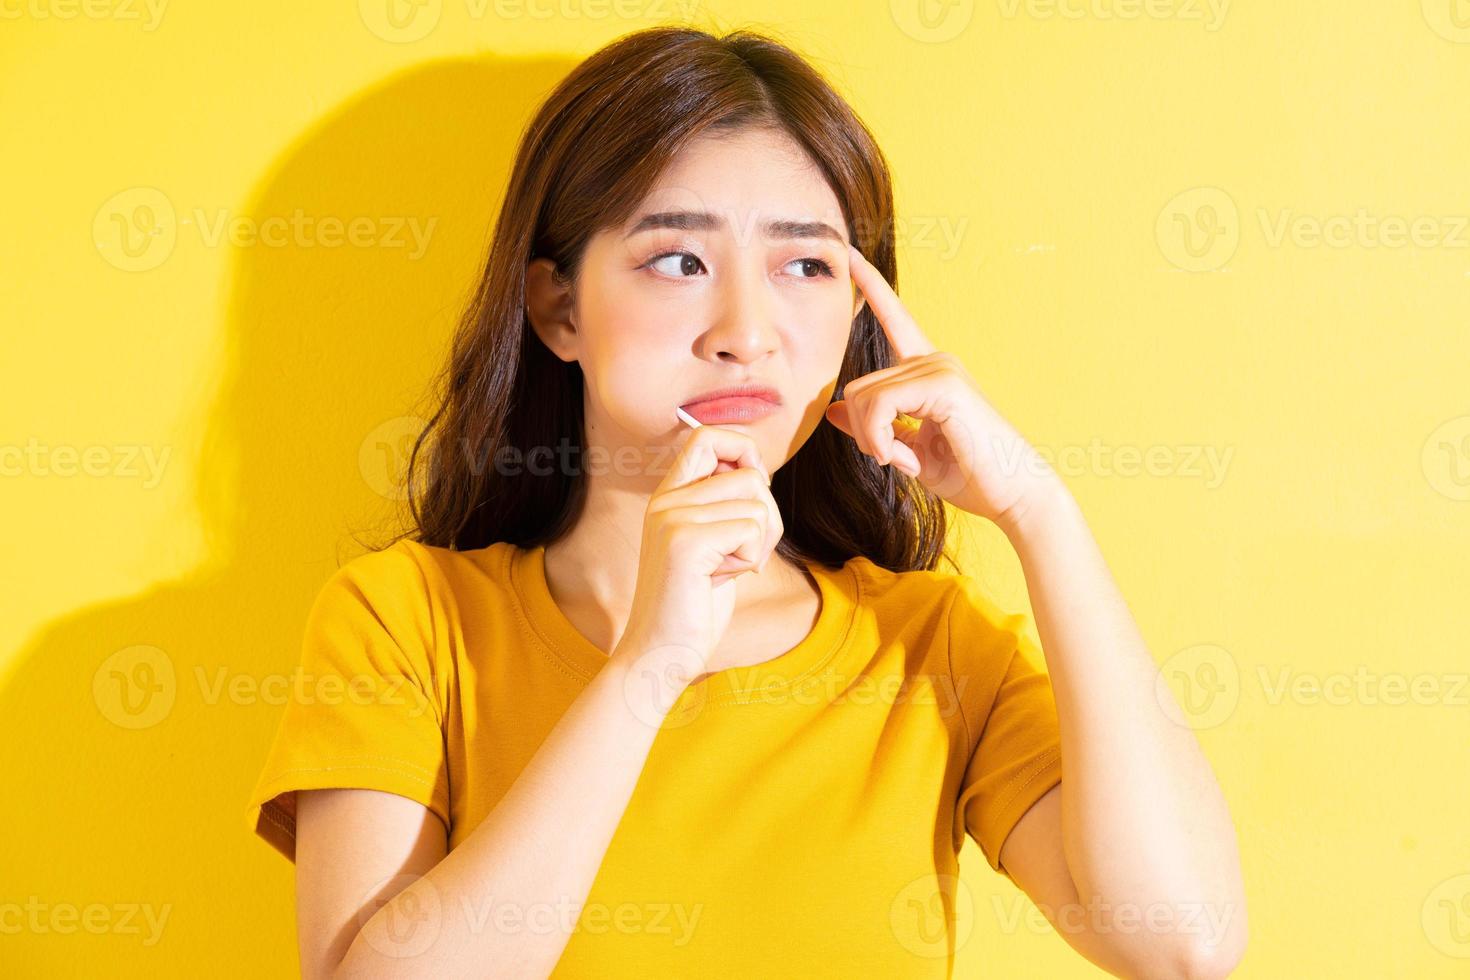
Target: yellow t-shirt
800, 817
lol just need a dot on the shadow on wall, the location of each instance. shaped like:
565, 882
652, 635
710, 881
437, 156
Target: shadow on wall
127, 772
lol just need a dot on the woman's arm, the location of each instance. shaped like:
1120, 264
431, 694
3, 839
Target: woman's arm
531, 861
1152, 884
1142, 825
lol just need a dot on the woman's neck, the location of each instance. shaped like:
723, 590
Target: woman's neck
592, 571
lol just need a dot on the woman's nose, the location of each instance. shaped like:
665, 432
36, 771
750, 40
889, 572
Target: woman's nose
744, 326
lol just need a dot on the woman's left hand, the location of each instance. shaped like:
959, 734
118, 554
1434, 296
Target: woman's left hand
962, 449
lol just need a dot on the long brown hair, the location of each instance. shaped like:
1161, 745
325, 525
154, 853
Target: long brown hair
594, 149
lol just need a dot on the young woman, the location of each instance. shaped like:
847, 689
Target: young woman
667, 682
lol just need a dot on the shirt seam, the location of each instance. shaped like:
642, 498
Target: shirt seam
398, 768
528, 629
1028, 775
838, 645
549, 651
382, 758
949, 664
431, 648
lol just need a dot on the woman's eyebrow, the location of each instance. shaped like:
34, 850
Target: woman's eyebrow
706, 221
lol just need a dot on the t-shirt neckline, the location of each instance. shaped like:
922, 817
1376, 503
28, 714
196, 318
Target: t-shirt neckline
804, 663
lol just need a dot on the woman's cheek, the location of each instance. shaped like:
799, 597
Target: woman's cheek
640, 385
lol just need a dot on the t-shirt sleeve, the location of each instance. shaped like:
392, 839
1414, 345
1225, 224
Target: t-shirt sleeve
1010, 716
364, 707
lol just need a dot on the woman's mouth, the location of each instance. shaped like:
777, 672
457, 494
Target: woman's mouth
742, 403
720, 411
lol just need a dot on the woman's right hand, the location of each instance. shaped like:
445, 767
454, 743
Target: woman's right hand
710, 520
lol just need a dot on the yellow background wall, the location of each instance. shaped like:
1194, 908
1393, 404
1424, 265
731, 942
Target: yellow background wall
1229, 239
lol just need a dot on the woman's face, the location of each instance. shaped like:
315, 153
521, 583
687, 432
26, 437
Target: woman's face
732, 271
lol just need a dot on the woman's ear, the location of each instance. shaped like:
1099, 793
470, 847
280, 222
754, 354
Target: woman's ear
549, 308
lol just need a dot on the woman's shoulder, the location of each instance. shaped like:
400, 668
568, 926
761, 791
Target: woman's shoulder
911, 588
412, 571
945, 602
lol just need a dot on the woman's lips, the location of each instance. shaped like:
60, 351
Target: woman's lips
742, 408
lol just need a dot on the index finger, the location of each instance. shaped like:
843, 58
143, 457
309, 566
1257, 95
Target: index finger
902, 329
705, 448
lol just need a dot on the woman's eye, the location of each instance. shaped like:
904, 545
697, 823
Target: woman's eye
689, 263
683, 265
822, 268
